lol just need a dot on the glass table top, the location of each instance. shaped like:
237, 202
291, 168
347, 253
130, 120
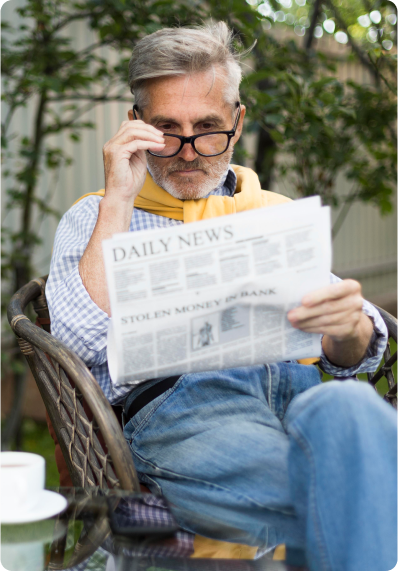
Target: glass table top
111, 530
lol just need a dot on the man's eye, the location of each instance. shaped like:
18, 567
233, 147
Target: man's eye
207, 126
165, 127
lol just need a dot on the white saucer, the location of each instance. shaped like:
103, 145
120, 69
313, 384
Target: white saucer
49, 504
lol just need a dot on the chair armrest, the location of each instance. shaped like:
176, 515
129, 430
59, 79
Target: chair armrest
385, 370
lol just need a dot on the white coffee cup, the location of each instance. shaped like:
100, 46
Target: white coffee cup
22, 481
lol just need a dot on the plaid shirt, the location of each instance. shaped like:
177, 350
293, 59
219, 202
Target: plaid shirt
82, 325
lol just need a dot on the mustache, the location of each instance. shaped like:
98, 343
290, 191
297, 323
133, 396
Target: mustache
181, 165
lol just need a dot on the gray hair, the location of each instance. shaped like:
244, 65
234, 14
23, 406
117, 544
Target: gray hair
182, 51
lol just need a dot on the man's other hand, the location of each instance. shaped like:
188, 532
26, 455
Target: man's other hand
125, 161
336, 312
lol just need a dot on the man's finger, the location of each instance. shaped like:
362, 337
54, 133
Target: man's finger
329, 307
133, 134
332, 291
341, 331
138, 124
323, 320
134, 146
130, 130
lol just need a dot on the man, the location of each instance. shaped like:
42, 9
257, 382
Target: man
257, 454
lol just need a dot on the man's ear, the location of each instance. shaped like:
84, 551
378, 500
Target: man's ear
240, 124
133, 113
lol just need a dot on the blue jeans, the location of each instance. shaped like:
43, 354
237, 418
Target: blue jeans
268, 454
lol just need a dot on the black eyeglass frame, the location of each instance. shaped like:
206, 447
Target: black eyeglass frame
191, 140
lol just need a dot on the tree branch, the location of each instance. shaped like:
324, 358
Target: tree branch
356, 49
24, 244
38, 137
72, 18
390, 87
376, 64
343, 213
77, 55
314, 18
7, 120
49, 195
10, 113
84, 109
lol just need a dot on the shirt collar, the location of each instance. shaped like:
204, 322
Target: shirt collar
227, 184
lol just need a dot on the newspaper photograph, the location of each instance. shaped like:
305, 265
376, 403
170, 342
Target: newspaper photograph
214, 294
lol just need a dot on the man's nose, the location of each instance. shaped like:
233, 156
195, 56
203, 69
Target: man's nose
187, 152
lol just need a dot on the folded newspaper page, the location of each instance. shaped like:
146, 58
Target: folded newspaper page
214, 294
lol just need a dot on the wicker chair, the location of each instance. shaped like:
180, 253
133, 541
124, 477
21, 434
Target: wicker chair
95, 451
85, 425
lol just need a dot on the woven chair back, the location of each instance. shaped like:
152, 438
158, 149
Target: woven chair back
85, 425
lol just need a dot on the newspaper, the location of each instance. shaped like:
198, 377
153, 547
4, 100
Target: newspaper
214, 294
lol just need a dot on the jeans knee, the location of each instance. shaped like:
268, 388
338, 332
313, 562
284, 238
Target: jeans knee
353, 400
349, 394
338, 404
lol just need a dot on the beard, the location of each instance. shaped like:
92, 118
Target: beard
186, 187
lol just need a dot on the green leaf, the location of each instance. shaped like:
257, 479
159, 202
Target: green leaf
276, 136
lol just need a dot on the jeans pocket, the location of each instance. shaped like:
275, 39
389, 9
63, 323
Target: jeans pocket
141, 419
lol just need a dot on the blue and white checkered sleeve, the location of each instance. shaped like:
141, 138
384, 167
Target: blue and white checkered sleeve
374, 352
75, 318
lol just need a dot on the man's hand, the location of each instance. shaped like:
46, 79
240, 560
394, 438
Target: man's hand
125, 160
336, 312
125, 171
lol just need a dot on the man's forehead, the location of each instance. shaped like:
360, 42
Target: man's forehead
181, 115
199, 93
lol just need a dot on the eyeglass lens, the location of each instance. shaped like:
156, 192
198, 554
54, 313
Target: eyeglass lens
206, 145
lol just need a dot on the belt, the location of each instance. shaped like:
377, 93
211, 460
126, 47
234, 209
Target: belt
149, 395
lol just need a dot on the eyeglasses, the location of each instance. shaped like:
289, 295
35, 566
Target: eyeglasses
205, 144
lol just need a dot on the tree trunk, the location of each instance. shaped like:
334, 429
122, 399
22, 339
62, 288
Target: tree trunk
25, 246
314, 18
266, 149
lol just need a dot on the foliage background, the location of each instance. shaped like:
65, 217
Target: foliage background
323, 125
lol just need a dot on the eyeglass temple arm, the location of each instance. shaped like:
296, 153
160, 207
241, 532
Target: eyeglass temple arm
237, 117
